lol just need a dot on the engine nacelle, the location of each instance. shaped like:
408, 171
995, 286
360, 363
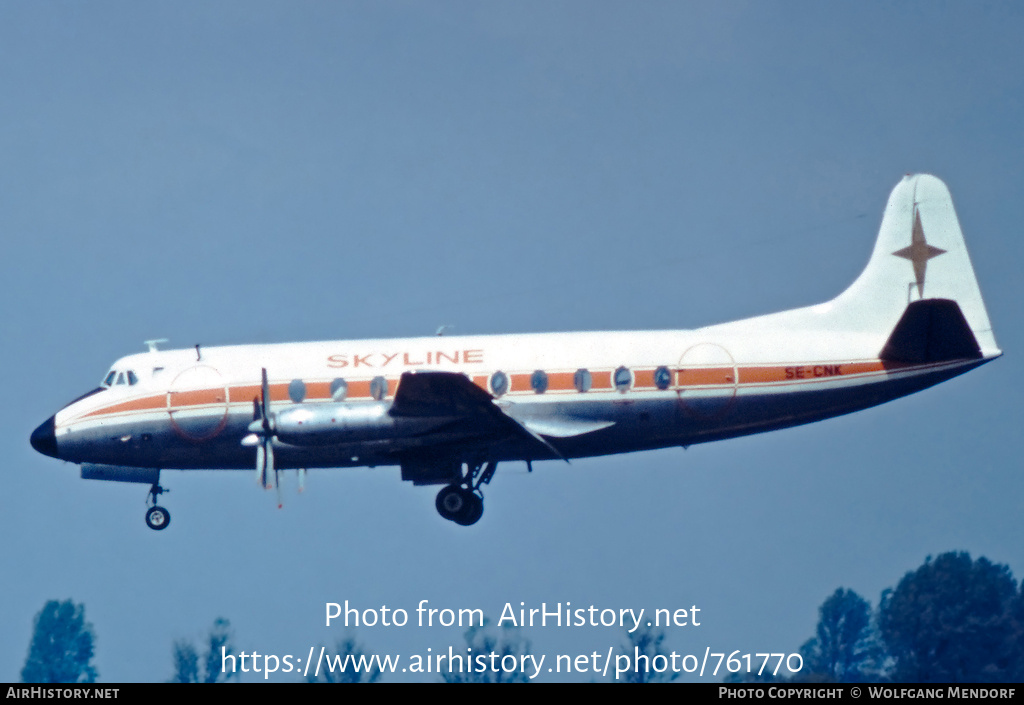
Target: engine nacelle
345, 422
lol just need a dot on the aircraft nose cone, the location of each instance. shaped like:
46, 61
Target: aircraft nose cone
44, 438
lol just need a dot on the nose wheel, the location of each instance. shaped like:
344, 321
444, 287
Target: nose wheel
157, 518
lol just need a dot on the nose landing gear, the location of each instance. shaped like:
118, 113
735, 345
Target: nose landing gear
157, 518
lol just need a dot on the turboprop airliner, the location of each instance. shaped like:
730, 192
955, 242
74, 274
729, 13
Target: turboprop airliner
448, 410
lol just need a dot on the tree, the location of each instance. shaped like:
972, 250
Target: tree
187, 665
846, 648
1015, 639
650, 663
953, 620
481, 641
341, 666
62, 645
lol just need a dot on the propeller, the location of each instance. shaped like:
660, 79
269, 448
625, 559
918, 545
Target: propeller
261, 435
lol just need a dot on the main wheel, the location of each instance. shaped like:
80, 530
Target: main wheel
451, 502
473, 510
157, 518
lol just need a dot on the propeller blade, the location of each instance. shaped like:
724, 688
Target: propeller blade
277, 481
302, 479
260, 462
271, 471
265, 464
265, 400
262, 436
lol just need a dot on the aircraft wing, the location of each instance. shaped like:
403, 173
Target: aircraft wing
441, 394
453, 395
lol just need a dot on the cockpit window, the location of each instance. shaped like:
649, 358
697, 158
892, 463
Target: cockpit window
117, 377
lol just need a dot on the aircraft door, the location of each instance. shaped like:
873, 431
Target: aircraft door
706, 382
197, 402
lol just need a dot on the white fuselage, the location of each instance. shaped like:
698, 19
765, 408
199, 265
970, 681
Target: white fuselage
190, 409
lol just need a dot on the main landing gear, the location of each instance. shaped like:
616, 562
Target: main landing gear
460, 504
157, 518
463, 501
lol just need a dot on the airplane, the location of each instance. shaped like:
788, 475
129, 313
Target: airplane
447, 410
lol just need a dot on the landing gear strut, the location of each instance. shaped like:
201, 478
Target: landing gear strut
463, 501
157, 518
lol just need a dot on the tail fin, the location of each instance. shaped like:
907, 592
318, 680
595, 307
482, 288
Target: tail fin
921, 276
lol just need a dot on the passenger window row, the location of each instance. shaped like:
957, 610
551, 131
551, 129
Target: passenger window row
622, 379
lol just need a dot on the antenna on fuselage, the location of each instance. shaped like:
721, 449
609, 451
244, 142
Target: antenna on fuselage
151, 344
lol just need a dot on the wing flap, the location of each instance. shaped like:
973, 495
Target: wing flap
564, 428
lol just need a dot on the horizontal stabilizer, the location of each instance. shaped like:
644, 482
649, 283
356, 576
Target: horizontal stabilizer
931, 330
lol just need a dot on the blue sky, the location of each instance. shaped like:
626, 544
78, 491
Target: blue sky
238, 172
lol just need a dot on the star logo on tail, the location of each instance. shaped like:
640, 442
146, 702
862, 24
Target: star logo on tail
919, 252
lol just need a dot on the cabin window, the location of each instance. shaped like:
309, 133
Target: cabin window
132, 379
662, 377
499, 383
378, 388
339, 389
623, 379
297, 391
539, 381
583, 380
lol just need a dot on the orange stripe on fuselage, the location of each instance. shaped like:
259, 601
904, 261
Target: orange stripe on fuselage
756, 374
318, 390
143, 404
244, 392
197, 397
520, 383
643, 379
561, 381
700, 376
601, 380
